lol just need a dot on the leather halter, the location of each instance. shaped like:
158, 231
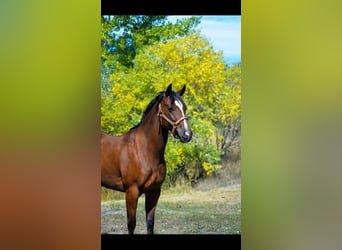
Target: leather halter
174, 124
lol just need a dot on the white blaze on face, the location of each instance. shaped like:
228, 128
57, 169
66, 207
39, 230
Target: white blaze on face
180, 106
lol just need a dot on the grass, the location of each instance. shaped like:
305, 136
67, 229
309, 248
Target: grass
203, 210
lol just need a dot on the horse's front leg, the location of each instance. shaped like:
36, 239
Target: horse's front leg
132, 196
151, 200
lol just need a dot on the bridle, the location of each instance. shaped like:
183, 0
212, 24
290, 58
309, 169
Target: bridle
174, 124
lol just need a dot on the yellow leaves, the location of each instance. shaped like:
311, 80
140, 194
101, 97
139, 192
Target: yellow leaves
129, 98
210, 168
235, 107
233, 114
114, 78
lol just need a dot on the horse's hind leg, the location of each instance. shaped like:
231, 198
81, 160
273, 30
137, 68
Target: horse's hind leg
132, 195
151, 200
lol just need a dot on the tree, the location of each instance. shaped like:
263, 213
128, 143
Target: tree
124, 36
213, 98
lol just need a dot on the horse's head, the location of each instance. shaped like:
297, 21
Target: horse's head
171, 113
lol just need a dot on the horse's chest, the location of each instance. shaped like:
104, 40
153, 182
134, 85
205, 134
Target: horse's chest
156, 177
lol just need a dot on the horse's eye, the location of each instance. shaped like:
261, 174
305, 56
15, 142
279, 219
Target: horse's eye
170, 108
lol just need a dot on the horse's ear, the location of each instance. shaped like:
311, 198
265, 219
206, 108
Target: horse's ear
181, 91
168, 90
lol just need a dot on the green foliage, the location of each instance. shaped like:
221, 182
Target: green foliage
213, 92
124, 36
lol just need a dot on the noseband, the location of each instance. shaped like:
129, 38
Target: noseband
172, 123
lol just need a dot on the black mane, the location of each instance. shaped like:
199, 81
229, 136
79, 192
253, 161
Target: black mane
155, 101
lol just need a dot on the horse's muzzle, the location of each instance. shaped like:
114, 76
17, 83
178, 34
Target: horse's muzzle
184, 136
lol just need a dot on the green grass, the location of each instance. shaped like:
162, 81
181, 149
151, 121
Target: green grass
191, 211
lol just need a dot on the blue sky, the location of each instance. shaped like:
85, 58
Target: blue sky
224, 33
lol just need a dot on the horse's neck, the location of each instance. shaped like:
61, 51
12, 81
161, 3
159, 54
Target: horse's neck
154, 133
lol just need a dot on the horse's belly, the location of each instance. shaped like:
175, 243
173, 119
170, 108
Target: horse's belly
111, 178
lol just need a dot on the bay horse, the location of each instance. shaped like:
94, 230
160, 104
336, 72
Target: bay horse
134, 162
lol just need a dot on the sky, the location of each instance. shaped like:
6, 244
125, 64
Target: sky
224, 33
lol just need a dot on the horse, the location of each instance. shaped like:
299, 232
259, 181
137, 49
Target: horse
134, 162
